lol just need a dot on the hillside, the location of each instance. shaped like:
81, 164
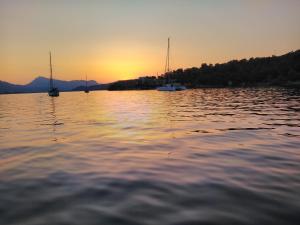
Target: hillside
265, 71
41, 84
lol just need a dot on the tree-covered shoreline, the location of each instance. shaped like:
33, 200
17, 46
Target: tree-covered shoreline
264, 71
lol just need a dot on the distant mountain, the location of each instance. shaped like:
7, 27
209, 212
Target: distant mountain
6, 87
41, 84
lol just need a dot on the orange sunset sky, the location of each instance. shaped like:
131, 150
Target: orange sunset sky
122, 39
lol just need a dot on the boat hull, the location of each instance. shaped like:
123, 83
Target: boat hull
171, 87
166, 88
180, 88
53, 92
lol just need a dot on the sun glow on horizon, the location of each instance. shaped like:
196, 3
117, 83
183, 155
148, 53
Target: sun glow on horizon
121, 62
118, 39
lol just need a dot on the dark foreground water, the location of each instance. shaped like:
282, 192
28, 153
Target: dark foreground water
212, 156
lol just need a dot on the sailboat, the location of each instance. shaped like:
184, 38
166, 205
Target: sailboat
86, 87
53, 91
169, 86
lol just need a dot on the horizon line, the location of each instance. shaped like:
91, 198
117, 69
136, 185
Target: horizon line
254, 57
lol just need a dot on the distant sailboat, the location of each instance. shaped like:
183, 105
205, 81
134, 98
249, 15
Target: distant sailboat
53, 91
170, 86
86, 86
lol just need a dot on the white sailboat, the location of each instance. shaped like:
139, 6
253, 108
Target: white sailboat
53, 91
170, 86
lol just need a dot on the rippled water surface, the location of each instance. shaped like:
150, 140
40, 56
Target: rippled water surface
211, 156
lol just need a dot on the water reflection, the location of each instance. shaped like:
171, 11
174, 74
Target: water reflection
52, 112
210, 156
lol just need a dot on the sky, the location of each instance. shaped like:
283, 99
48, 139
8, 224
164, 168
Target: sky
110, 40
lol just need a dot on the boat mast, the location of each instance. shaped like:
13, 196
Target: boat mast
51, 80
86, 81
167, 66
168, 55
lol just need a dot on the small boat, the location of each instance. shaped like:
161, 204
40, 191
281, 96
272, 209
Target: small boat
53, 91
172, 87
179, 87
169, 86
86, 87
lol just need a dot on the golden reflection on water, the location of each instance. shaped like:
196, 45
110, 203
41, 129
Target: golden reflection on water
133, 132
